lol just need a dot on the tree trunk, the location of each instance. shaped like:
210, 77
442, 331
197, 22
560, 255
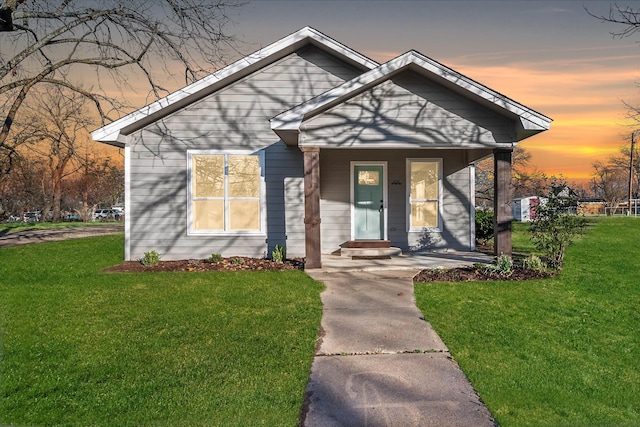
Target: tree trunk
57, 198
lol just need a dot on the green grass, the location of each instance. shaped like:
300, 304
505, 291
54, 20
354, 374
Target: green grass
13, 227
80, 347
520, 238
557, 352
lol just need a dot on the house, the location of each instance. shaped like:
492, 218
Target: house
524, 208
309, 144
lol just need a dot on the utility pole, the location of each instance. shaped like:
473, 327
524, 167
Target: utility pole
631, 173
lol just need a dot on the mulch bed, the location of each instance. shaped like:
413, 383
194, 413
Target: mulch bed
460, 274
227, 264
473, 274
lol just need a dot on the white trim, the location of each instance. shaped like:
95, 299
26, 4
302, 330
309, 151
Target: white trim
408, 194
263, 192
111, 133
127, 203
385, 194
472, 206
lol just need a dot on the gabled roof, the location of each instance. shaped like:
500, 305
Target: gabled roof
529, 121
114, 133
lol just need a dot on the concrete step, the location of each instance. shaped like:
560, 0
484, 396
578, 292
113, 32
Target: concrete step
370, 252
367, 244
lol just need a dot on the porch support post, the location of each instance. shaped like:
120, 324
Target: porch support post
502, 214
312, 206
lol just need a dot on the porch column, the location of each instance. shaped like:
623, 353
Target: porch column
312, 206
502, 214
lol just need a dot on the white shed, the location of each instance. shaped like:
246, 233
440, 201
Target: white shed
523, 208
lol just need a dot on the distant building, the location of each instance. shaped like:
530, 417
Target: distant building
524, 208
591, 207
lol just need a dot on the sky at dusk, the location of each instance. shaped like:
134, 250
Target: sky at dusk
550, 56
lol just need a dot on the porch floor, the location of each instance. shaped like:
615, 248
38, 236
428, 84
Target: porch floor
412, 261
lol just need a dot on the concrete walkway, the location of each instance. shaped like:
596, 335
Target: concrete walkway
379, 363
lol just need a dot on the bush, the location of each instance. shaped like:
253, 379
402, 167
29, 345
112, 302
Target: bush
215, 258
237, 261
484, 226
279, 253
503, 265
150, 258
553, 230
533, 263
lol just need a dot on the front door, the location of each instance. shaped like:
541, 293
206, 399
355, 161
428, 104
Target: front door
368, 202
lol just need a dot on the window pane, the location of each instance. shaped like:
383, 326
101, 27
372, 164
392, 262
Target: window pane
424, 180
208, 176
424, 214
244, 176
368, 178
244, 214
208, 215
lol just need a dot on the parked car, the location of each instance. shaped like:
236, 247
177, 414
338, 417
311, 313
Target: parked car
72, 217
106, 214
31, 216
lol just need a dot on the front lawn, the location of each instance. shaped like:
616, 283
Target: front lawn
561, 351
80, 347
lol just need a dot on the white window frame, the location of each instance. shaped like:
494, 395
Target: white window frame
410, 228
263, 211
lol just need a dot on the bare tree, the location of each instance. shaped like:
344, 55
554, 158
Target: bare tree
622, 161
523, 176
626, 18
627, 22
25, 188
100, 182
610, 182
56, 42
55, 128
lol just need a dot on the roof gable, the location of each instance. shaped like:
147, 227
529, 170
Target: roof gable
114, 133
529, 122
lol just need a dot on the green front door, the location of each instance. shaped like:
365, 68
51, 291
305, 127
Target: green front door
368, 202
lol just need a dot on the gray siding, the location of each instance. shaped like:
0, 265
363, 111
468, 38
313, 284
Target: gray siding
335, 207
409, 111
236, 117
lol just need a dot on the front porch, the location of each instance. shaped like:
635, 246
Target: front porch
331, 225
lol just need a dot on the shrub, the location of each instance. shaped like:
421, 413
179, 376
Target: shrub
484, 226
215, 258
150, 258
533, 263
237, 261
193, 262
279, 253
553, 230
503, 265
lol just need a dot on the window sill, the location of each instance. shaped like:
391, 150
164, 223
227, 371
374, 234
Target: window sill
425, 230
227, 233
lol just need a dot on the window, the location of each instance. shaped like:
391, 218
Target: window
424, 178
225, 193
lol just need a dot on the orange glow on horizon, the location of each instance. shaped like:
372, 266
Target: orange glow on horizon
583, 96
